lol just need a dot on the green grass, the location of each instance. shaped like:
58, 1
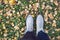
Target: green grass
14, 16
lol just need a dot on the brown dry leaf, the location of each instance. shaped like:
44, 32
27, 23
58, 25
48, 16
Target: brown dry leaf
48, 7
50, 16
12, 24
5, 34
0, 1
6, 1
18, 14
58, 37
5, 31
57, 29
15, 38
4, 38
30, 6
26, 7
38, 0
0, 20
55, 13
26, 11
35, 6
7, 21
1, 11
32, 15
53, 38
54, 23
5, 15
19, 2
30, 1
56, 3
51, 0
7, 9
16, 27
46, 31
9, 14
22, 29
4, 26
46, 15
32, 12
43, 5
21, 12
46, 19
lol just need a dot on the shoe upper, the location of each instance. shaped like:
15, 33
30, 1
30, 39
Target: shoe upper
39, 23
29, 23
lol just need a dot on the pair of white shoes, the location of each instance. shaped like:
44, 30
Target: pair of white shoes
39, 23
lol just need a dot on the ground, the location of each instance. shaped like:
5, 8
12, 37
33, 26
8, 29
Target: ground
13, 15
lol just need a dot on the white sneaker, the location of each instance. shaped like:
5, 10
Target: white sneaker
39, 24
29, 23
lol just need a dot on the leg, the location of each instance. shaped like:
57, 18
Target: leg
29, 34
41, 35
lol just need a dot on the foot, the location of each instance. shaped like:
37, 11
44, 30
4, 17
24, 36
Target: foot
39, 23
29, 23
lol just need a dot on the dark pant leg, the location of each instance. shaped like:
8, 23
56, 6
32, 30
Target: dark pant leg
42, 36
29, 36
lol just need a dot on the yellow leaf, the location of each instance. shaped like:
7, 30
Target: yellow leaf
12, 2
